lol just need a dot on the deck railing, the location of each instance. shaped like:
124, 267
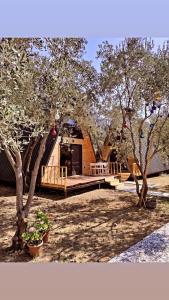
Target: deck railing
57, 176
115, 168
54, 175
105, 168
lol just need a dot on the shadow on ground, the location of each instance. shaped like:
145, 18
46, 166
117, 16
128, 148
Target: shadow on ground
92, 227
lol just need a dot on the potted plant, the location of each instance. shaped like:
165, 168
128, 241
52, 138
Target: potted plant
43, 225
34, 241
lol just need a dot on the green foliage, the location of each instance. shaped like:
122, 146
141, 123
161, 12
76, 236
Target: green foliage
41, 215
42, 222
43, 80
32, 236
36, 228
131, 75
42, 226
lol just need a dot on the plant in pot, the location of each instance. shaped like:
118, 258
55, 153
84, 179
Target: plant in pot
34, 241
43, 225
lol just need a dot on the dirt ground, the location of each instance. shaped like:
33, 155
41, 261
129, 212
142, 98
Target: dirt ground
159, 183
91, 227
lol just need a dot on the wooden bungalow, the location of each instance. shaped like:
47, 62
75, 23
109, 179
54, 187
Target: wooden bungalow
69, 162
157, 165
109, 154
72, 164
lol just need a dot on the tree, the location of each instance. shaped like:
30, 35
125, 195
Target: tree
134, 80
75, 80
36, 89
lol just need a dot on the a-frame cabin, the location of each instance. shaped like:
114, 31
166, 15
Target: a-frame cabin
66, 161
69, 161
156, 166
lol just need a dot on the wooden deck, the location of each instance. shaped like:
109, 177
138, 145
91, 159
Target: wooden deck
54, 177
81, 179
78, 181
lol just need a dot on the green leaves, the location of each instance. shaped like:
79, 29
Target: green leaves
32, 237
41, 80
36, 228
132, 73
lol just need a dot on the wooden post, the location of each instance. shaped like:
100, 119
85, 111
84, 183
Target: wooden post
61, 175
42, 174
46, 169
65, 192
114, 170
54, 174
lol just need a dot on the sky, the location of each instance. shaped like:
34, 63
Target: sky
92, 47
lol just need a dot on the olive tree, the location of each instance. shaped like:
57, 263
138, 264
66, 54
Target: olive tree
36, 89
135, 80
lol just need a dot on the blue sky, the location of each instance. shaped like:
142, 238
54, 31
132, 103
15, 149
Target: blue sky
93, 43
84, 17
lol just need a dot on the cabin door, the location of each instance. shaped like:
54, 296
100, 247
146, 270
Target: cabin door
65, 159
113, 156
71, 157
76, 151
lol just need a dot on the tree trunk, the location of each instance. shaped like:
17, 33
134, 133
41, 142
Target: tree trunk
17, 241
143, 193
134, 177
20, 223
34, 175
21, 210
26, 163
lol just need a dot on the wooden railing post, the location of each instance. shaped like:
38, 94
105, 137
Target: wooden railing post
61, 175
65, 177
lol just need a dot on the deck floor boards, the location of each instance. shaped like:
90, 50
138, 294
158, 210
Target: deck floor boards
80, 180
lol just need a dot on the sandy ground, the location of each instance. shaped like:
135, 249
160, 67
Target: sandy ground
91, 227
159, 181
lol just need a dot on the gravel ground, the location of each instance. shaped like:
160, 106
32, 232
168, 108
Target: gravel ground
153, 248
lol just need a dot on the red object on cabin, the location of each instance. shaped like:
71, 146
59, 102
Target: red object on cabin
125, 125
53, 132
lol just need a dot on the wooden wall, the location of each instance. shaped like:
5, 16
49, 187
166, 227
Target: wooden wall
105, 155
105, 152
133, 166
88, 155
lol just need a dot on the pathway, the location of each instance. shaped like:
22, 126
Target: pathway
129, 186
153, 248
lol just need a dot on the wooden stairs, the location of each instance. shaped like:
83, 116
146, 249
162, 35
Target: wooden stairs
114, 181
117, 180
124, 176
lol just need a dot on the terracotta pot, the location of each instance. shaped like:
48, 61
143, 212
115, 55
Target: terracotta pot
35, 250
45, 237
151, 204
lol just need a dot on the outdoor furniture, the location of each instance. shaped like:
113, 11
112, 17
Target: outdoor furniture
99, 169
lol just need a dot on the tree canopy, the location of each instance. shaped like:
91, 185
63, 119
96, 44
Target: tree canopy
134, 80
